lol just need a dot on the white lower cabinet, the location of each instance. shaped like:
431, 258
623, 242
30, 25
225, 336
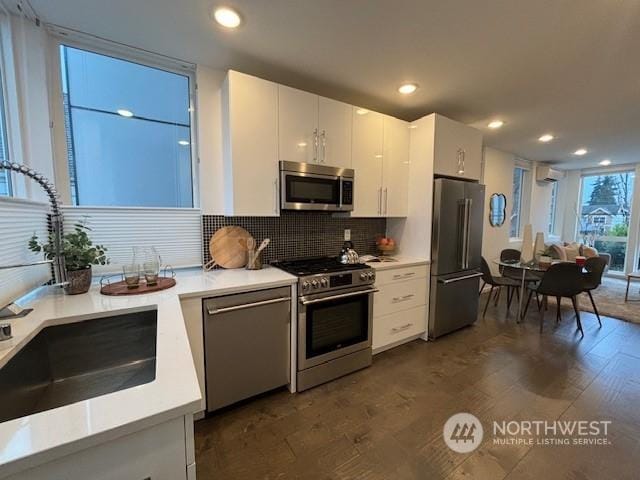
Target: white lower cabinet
400, 306
156, 453
391, 330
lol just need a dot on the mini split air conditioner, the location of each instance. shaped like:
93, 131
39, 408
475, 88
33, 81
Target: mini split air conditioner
547, 174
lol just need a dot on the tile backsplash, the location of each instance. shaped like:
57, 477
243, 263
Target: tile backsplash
300, 234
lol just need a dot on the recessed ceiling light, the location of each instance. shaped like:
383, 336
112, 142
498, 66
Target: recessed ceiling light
124, 112
227, 17
378, 155
495, 124
605, 163
362, 111
302, 144
407, 88
580, 152
184, 143
547, 137
413, 126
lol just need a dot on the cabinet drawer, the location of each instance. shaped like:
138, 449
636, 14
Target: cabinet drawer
399, 326
399, 296
384, 277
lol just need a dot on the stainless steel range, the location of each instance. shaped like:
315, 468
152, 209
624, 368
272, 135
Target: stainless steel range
335, 311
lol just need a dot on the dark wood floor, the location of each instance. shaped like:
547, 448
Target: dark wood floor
386, 422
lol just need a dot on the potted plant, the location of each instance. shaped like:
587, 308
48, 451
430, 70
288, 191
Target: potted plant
79, 254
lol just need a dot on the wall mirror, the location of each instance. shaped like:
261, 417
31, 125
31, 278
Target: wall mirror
497, 209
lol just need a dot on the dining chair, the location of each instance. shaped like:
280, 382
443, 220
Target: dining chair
595, 267
561, 280
496, 282
513, 255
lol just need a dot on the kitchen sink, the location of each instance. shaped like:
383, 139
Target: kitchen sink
64, 364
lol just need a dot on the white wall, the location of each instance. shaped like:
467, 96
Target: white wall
498, 178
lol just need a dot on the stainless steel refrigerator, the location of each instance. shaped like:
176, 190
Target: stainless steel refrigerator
456, 249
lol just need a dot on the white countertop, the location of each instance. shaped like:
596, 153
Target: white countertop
399, 261
29, 441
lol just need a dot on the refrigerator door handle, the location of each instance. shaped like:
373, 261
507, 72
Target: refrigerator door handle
459, 279
465, 235
467, 221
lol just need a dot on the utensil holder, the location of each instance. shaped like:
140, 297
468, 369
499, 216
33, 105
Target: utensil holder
254, 260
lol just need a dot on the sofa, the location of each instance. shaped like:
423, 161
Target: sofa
567, 252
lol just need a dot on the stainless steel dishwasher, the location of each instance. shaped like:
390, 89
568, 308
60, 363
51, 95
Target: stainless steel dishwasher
247, 344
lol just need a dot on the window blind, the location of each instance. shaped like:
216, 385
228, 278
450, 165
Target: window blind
176, 233
19, 220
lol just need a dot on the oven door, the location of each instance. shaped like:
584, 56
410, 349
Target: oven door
310, 191
332, 324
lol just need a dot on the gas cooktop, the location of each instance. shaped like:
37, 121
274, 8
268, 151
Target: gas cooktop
315, 266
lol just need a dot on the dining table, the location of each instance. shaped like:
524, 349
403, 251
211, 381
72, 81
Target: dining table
524, 268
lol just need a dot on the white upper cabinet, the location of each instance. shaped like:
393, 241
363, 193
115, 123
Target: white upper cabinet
366, 160
298, 136
313, 129
457, 149
395, 168
334, 127
250, 146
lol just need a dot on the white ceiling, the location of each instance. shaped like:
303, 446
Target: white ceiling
569, 67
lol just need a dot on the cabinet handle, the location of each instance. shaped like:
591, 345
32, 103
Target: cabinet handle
380, 201
315, 145
324, 146
386, 200
402, 328
403, 298
398, 276
275, 196
460, 158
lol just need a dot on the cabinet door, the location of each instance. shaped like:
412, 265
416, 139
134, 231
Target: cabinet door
250, 146
458, 149
335, 133
297, 125
395, 168
366, 160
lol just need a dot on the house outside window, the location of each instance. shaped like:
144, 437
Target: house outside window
553, 208
515, 230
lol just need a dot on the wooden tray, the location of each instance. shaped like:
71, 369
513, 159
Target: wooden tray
120, 288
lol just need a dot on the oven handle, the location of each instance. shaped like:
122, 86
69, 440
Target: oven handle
335, 297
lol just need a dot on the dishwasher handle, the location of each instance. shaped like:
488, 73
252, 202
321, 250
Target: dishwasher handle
216, 311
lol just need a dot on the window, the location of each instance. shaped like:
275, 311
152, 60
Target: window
553, 207
605, 214
519, 174
5, 176
128, 132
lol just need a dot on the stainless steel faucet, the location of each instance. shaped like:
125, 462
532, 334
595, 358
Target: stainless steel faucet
56, 224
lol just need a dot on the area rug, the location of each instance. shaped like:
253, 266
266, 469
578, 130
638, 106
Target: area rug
609, 298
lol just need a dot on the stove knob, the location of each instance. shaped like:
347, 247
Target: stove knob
324, 283
371, 275
305, 285
363, 276
315, 284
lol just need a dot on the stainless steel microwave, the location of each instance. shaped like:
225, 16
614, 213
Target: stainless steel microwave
307, 186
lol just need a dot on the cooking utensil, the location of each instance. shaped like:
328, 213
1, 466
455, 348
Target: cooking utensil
254, 257
228, 247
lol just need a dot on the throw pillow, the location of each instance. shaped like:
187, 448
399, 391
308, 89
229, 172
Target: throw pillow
572, 252
589, 252
557, 251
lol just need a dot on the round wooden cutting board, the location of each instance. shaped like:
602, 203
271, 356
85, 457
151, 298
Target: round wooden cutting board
228, 247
